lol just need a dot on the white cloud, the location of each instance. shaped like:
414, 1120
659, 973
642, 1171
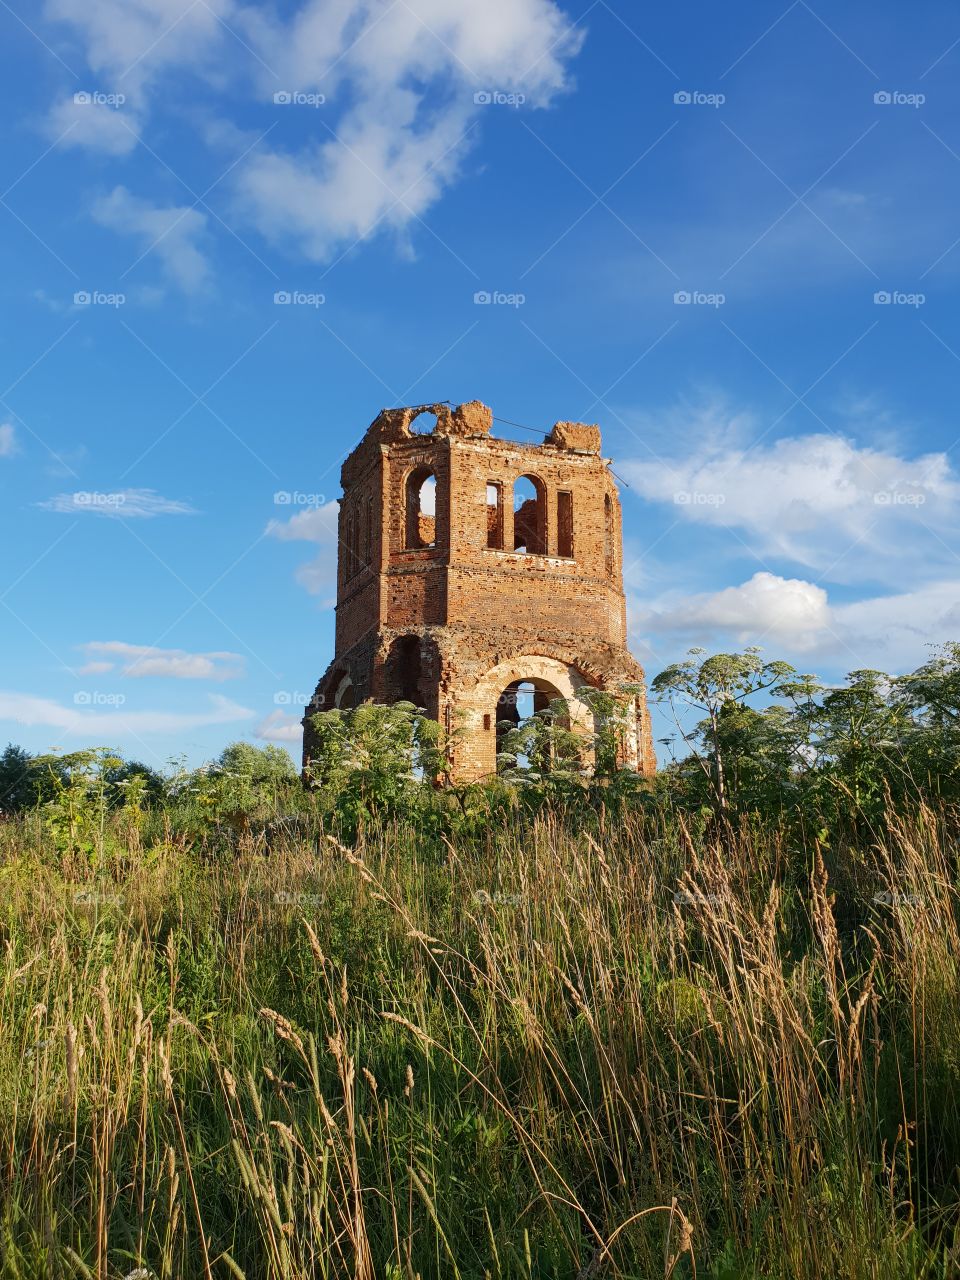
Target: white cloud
130, 43
793, 618
123, 504
409, 73
814, 499
279, 727
170, 232
93, 124
25, 709
318, 525
398, 79
784, 609
8, 440
147, 660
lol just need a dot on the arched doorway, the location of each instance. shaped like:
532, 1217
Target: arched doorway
509, 693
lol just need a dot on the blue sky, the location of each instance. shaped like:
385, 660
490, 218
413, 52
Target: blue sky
788, 432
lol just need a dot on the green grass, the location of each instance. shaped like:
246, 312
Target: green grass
541, 1054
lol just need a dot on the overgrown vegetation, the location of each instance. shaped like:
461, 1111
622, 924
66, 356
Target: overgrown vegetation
555, 1025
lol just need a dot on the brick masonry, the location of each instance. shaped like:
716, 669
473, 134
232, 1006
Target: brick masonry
448, 608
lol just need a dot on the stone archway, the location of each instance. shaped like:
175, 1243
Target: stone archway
480, 708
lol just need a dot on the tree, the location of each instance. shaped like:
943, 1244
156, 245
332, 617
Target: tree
718, 687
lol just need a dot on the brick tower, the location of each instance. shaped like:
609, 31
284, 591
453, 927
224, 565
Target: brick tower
473, 571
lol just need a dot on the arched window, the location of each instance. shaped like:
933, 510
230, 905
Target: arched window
411, 662
421, 503
609, 541
529, 516
494, 515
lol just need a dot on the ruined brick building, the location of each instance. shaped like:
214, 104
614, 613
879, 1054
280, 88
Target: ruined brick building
474, 572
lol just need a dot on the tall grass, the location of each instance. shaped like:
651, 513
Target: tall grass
635, 1054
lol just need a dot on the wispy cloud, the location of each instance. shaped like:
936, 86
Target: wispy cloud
279, 727
8, 440
170, 232
137, 661
25, 709
118, 504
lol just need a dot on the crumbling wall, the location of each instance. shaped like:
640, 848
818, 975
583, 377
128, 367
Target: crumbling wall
457, 608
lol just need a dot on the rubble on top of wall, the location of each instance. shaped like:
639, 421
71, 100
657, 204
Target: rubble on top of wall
579, 437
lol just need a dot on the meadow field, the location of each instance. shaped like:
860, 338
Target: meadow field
560, 1028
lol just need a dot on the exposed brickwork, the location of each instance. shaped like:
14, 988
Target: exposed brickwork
443, 610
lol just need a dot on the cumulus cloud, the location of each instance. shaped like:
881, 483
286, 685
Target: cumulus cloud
416, 76
92, 724
122, 504
279, 727
171, 232
794, 618
92, 124
129, 45
8, 440
318, 525
403, 83
785, 609
146, 660
819, 500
